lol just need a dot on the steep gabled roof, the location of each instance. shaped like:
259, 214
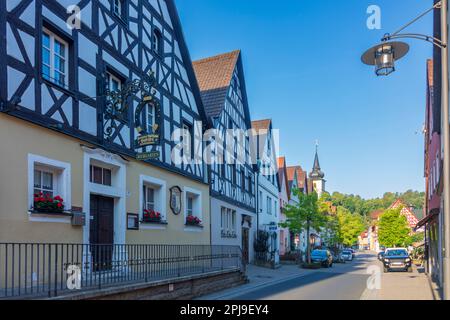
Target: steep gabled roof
283, 175
298, 173
214, 76
173, 12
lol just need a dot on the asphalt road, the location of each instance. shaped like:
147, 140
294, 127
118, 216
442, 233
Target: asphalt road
341, 282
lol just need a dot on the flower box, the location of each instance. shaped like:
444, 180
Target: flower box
47, 204
193, 221
152, 216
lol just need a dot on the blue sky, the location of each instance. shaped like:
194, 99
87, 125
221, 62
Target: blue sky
303, 70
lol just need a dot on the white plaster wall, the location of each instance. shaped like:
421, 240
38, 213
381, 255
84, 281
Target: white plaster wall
216, 236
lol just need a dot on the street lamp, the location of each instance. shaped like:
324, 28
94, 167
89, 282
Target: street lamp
383, 57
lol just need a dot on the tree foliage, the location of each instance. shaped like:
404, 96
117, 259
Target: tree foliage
356, 204
350, 226
304, 216
393, 229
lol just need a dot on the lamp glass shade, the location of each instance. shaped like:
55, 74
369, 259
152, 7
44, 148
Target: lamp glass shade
384, 61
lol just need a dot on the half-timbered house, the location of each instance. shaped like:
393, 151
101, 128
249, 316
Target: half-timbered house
88, 112
233, 198
268, 186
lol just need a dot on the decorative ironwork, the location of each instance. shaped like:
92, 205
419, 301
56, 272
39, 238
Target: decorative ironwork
118, 102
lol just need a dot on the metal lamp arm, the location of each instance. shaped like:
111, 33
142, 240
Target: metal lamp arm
435, 41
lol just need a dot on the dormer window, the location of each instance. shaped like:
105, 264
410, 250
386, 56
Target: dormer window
158, 42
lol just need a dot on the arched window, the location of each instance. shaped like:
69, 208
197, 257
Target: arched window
158, 42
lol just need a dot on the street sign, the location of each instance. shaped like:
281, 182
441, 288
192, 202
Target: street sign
147, 140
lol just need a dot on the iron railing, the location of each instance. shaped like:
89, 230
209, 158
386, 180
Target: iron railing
38, 269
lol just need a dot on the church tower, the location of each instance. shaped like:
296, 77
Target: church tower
316, 177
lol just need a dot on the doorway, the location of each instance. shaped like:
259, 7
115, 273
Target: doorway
245, 244
101, 232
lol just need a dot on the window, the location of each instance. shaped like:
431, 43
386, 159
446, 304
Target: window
250, 185
233, 174
44, 181
275, 207
269, 205
149, 198
100, 175
158, 42
243, 179
153, 196
118, 8
151, 118
190, 205
113, 82
228, 222
188, 140
260, 201
54, 58
51, 177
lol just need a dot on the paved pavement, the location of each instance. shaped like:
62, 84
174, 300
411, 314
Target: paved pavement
341, 282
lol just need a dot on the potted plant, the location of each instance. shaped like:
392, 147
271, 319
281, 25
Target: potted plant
193, 221
47, 204
152, 216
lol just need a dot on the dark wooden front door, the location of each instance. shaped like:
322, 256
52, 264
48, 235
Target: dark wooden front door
102, 232
245, 243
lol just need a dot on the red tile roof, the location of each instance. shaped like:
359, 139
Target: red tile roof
214, 76
261, 124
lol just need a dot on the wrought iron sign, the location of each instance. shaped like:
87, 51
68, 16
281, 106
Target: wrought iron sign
117, 108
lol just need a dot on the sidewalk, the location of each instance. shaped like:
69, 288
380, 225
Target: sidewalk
258, 278
403, 286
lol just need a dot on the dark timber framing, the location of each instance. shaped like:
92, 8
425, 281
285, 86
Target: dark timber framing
122, 44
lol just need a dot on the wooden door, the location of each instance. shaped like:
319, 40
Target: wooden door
102, 232
245, 244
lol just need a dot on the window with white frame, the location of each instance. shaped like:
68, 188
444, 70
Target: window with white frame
113, 82
55, 56
149, 198
100, 175
44, 181
150, 117
48, 177
269, 205
192, 203
153, 195
228, 222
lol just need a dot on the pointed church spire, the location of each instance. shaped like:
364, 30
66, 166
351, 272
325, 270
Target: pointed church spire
316, 173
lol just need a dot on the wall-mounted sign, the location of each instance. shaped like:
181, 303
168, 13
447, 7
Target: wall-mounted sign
175, 200
153, 155
132, 221
147, 140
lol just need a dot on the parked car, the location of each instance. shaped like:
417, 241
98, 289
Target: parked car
347, 255
337, 258
397, 259
380, 255
353, 253
323, 257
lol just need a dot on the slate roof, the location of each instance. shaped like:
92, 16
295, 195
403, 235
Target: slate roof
214, 76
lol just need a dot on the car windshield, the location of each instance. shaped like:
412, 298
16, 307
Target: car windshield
346, 252
393, 253
319, 253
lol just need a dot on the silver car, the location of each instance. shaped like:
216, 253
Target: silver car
347, 255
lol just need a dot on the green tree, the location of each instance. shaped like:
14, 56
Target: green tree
304, 216
393, 229
350, 226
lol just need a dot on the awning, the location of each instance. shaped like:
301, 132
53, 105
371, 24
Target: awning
428, 218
